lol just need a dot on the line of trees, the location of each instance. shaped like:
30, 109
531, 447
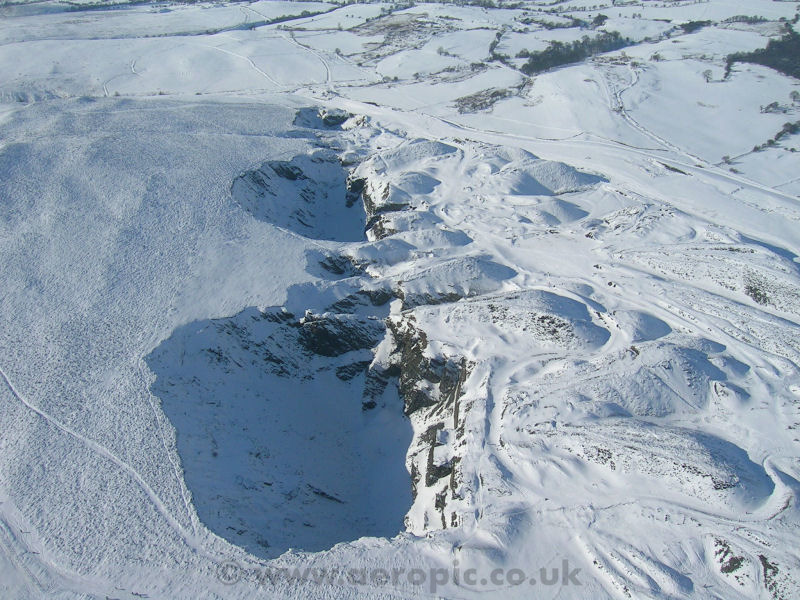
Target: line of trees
787, 130
560, 53
783, 55
693, 26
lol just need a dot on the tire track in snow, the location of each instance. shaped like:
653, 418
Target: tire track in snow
328, 77
7, 550
698, 162
253, 65
189, 539
618, 106
170, 455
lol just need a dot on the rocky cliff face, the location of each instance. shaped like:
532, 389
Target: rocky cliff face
431, 388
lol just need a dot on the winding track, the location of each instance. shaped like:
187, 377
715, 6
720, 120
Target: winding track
253, 65
188, 537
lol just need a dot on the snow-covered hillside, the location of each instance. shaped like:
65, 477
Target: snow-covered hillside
320, 300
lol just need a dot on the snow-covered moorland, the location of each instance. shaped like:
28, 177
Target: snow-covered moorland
325, 300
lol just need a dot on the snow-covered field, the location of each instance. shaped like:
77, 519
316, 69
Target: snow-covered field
319, 300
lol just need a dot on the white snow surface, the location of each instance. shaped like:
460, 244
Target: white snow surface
204, 318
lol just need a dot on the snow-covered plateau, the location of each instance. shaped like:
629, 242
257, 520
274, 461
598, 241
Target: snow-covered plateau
365, 301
